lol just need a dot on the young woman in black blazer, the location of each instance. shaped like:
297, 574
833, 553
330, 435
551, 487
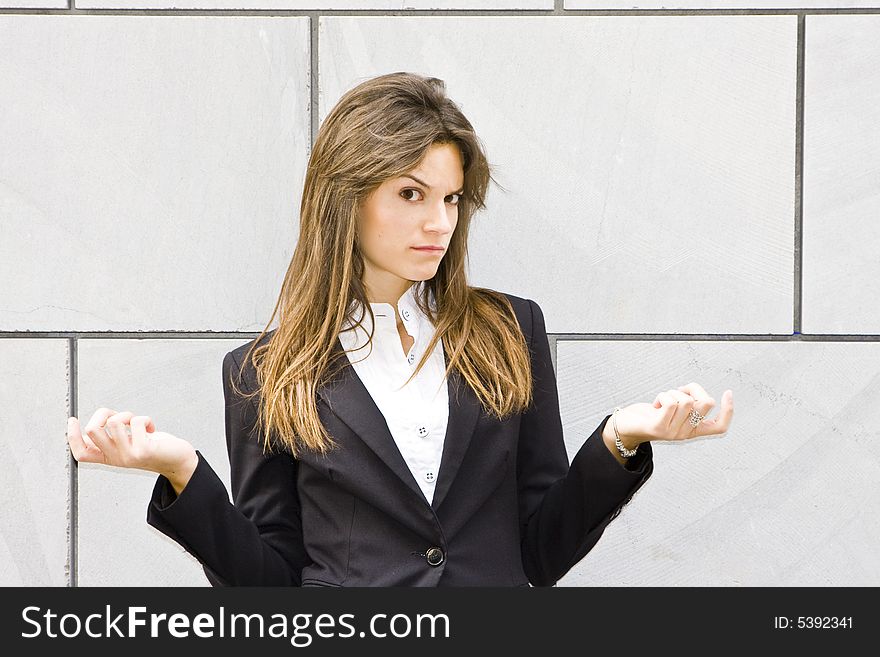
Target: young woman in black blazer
329, 486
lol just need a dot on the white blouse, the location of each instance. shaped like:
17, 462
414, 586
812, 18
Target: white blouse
416, 414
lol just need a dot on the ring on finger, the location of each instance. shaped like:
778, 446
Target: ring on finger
695, 418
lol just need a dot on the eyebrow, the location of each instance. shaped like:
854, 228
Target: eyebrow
422, 182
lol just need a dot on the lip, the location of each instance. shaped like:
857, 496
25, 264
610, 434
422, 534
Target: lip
429, 248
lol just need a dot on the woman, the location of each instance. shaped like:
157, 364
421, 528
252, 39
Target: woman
398, 427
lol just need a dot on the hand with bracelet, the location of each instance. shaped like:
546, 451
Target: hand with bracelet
678, 414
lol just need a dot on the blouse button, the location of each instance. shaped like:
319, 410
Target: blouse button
410, 358
405, 314
423, 431
429, 477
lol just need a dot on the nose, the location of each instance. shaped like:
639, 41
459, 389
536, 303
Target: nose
442, 219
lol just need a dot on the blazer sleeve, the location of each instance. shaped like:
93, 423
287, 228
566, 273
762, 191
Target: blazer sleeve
257, 541
564, 508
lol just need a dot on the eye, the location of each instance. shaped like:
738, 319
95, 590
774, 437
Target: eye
410, 189
457, 198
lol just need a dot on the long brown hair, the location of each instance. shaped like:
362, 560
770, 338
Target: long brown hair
381, 129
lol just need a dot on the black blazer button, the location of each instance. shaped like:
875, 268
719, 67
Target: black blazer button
434, 556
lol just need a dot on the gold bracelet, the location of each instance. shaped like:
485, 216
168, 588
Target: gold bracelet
624, 452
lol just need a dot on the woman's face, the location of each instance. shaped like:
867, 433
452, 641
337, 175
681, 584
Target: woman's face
415, 210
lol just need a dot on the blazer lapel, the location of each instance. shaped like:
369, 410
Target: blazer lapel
350, 400
464, 407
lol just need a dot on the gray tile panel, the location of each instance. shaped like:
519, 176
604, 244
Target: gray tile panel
841, 252
178, 383
650, 181
34, 476
783, 498
151, 169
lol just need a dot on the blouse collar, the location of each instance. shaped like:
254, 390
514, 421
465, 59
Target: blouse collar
407, 307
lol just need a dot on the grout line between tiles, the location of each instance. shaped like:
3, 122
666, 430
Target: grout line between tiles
73, 465
797, 320
314, 76
557, 10
660, 337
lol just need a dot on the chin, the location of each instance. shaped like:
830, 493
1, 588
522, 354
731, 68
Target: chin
424, 275
419, 273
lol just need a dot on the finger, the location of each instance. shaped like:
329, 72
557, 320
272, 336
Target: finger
117, 427
682, 397
721, 423
88, 441
703, 403
682, 412
99, 417
696, 391
148, 422
141, 426
668, 405
83, 452
95, 430
74, 438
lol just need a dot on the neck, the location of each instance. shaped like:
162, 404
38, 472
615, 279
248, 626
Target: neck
387, 295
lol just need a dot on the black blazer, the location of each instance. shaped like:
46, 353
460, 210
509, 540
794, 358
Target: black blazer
507, 509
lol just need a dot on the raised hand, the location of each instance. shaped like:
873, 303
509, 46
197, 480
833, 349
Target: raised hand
126, 440
668, 417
